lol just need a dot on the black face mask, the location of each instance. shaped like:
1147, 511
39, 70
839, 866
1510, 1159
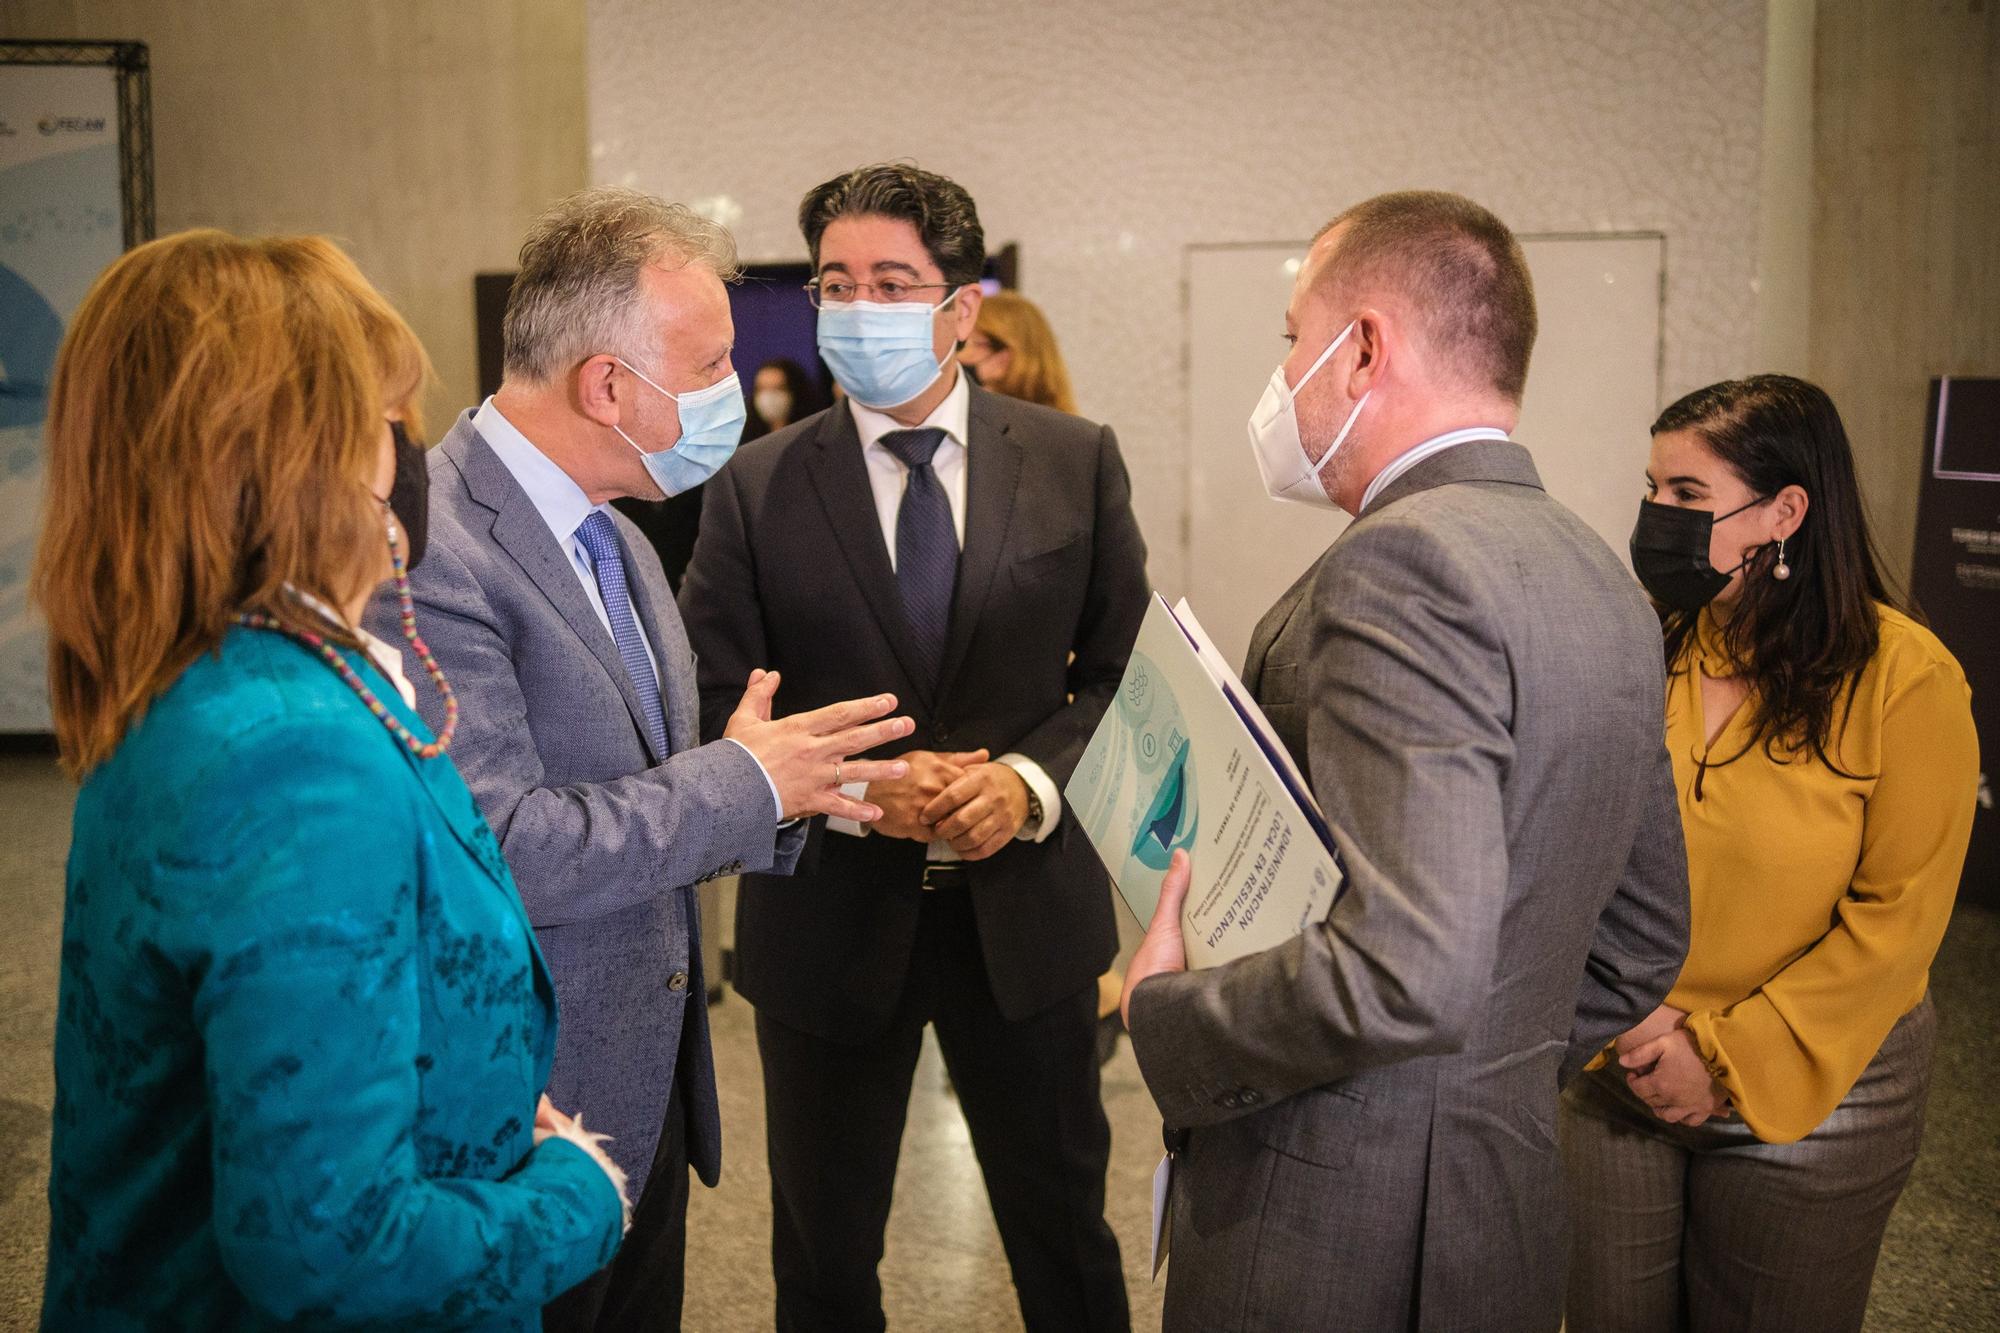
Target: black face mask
410, 496
1670, 554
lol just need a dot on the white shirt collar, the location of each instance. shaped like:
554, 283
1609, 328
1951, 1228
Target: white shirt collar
1417, 453
557, 498
380, 653
949, 416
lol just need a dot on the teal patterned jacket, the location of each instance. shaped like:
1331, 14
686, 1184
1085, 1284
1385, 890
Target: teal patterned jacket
302, 1030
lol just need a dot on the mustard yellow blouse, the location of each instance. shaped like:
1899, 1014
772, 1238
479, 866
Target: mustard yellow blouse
1818, 901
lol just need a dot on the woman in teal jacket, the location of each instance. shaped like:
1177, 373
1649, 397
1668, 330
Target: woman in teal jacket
303, 1021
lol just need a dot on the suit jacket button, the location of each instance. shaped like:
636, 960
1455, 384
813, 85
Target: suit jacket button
678, 981
1228, 1101
1251, 1096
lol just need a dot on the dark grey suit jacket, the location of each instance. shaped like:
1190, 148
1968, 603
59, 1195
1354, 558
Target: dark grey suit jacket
790, 572
1475, 687
605, 837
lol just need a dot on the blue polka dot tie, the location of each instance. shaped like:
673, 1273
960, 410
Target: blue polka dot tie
926, 546
600, 539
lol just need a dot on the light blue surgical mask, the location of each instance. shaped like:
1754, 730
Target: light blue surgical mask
711, 427
881, 351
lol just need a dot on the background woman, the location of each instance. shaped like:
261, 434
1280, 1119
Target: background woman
1013, 351
303, 1023
781, 392
1735, 1166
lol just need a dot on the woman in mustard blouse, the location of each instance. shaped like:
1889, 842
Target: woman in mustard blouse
1734, 1164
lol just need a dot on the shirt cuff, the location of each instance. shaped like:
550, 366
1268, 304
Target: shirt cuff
853, 828
777, 801
1045, 791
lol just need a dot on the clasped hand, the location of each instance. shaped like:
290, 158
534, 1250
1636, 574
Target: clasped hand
1665, 1071
806, 755
959, 796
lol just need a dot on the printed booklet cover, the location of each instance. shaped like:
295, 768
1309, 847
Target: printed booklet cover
1185, 759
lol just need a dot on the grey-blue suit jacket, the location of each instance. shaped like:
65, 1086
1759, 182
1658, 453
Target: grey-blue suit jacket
605, 837
1476, 688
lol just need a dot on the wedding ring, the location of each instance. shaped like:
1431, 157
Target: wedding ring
836, 773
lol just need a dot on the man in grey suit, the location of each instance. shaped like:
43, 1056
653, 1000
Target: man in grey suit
580, 718
1365, 1116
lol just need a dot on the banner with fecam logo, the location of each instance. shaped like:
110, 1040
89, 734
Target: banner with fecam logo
60, 225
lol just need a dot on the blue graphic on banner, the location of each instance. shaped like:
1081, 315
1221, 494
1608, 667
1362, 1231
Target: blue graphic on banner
1150, 739
60, 225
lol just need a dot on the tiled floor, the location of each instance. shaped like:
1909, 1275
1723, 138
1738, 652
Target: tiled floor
944, 1268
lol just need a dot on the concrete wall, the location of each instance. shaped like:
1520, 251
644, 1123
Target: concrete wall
424, 136
1906, 229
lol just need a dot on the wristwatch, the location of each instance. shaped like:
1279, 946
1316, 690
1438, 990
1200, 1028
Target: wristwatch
1034, 807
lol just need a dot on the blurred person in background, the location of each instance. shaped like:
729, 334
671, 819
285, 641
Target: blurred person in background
303, 1022
1734, 1167
1013, 351
781, 392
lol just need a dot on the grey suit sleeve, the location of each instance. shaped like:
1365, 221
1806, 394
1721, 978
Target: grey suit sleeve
1642, 935
1113, 607
588, 849
1411, 697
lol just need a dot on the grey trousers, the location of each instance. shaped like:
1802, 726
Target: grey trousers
1700, 1230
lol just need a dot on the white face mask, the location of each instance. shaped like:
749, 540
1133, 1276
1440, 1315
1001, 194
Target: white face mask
774, 405
1289, 472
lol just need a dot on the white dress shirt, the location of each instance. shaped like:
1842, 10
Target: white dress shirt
1417, 453
887, 478
564, 507
386, 658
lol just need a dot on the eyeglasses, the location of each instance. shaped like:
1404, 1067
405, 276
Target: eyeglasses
839, 291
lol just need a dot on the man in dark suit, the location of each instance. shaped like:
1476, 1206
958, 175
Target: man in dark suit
579, 730
978, 557
1474, 685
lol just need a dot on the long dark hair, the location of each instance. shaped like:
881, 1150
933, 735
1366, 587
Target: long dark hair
1800, 642
808, 396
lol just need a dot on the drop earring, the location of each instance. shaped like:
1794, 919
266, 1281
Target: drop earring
1781, 571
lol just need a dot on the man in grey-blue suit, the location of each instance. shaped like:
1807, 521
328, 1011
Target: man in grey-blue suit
579, 722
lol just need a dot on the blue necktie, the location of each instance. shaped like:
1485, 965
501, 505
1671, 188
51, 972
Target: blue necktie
926, 546
600, 538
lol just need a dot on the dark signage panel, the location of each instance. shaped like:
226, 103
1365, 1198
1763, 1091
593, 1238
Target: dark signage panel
1956, 581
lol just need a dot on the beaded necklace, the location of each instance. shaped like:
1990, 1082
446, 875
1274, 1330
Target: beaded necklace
421, 749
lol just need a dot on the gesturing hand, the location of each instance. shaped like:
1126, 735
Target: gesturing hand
980, 812
1675, 1083
903, 799
1162, 950
806, 754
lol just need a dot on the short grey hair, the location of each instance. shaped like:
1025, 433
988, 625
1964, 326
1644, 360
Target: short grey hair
577, 292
